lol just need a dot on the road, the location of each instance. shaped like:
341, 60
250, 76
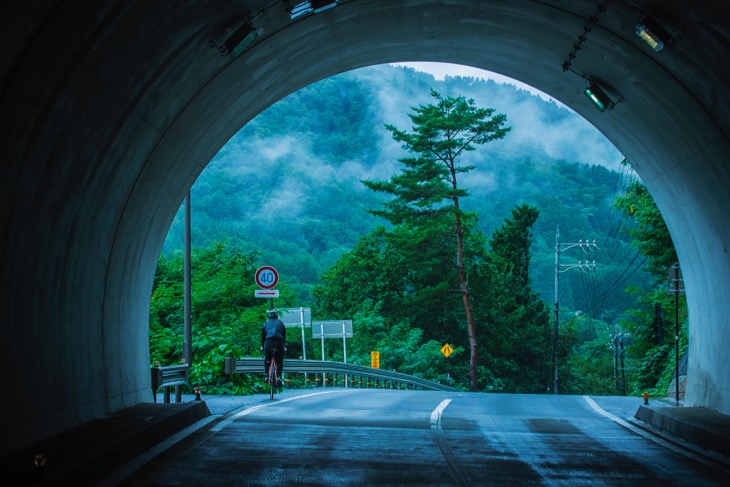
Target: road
379, 437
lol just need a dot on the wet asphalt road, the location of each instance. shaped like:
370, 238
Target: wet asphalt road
369, 437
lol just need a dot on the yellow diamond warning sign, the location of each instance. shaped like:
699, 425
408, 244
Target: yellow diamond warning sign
447, 350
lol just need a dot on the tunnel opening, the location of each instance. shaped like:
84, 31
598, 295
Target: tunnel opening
292, 158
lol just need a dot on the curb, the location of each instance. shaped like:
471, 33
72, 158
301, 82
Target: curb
711, 435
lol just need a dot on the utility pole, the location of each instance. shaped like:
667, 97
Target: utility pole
676, 287
623, 366
586, 247
619, 341
187, 305
614, 345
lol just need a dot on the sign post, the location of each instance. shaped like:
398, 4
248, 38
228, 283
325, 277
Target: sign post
301, 317
333, 329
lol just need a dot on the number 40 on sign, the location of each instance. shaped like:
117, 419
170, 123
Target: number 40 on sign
266, 277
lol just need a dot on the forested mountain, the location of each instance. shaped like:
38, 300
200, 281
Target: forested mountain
289, 183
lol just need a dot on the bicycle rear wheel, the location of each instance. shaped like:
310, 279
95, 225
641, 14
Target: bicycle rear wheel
272, 377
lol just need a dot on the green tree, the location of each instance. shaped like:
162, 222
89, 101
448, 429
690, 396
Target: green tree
651, 235
226, 316
516, 320
426, 193
652, 333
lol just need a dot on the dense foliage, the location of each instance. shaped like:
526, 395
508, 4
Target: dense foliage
411, 304
660, 316
641, 346
226, 315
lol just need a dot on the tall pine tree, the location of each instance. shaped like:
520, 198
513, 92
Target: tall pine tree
426, 194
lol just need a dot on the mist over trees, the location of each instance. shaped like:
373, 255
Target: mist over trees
287, 184
285, 191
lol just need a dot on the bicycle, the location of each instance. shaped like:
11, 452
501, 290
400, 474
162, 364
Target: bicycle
272, 376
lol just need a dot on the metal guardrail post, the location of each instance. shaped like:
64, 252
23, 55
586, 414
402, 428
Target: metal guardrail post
229, 365
166, 377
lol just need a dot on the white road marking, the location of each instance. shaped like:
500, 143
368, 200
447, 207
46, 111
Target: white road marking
226, 422
436, 414
682, 451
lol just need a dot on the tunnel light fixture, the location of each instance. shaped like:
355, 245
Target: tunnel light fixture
599, 97
300, 9
652, 34
322, 5
315, 6
240, 40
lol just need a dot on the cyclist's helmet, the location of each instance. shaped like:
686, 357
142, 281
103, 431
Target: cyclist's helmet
272, 313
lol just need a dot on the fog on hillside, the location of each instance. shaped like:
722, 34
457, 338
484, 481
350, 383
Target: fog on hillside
288, 183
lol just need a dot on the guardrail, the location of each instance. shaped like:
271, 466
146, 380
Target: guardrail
374, 378
168, 376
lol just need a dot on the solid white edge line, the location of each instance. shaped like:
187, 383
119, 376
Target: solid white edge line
226, 422
436, 414
654, 438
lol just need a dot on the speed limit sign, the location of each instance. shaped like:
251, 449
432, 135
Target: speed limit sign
266, 277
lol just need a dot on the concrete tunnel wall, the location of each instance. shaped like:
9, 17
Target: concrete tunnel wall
108, 115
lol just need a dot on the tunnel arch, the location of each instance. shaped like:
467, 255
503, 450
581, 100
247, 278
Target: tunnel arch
110, 114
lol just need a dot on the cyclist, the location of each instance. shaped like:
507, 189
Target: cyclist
273, 336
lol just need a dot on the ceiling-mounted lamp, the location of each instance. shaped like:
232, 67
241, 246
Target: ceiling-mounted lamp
652, 34
300, 9
240, 40
599, 97
322, 5
315, 6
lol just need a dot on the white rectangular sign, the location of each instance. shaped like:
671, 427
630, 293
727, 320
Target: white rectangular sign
296, 317
332, 329
267, 293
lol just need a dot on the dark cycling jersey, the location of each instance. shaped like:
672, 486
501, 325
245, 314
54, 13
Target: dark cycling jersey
273, 329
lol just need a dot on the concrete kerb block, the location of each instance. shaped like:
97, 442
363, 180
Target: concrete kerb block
696, 426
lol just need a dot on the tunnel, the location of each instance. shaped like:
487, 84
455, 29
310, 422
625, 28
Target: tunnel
111, 110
